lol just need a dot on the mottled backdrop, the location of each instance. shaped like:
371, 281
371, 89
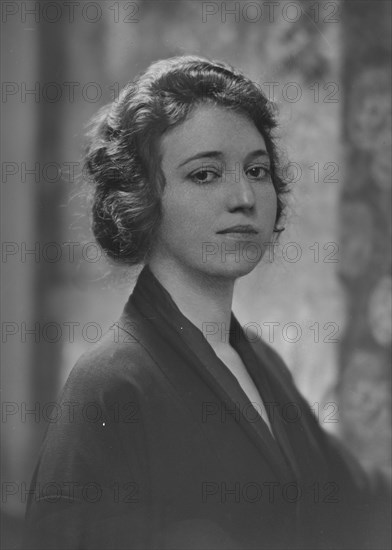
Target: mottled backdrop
322, 296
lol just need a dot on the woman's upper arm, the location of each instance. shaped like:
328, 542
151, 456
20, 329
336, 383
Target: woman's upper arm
90, 482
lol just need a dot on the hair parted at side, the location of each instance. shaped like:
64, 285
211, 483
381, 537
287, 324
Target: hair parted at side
122, 156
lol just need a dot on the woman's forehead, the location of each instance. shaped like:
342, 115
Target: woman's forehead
212, 128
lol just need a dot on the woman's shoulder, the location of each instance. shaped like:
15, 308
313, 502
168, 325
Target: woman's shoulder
116, 363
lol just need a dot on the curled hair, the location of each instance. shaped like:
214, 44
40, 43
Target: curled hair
122, 156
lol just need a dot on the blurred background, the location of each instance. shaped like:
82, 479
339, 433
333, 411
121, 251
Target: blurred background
324, 302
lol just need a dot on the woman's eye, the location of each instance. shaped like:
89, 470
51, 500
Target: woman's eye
258, 172
204, 176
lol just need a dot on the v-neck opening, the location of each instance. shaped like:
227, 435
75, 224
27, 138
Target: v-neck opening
152, 298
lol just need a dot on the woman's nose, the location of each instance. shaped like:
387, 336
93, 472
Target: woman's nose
240, 193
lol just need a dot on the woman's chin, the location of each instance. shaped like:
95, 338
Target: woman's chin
230, 269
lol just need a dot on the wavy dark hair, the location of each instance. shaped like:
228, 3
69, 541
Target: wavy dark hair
123, 158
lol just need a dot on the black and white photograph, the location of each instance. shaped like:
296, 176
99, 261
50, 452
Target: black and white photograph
196, 288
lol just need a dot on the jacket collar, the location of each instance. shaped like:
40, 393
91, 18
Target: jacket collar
157, 308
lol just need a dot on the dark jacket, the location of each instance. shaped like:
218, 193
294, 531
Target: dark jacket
158, 447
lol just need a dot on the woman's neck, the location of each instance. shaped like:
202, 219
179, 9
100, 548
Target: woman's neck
204, 299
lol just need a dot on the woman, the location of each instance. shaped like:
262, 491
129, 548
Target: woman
179, 433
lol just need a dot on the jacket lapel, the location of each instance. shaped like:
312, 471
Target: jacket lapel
296, 430
181, 352
258, 365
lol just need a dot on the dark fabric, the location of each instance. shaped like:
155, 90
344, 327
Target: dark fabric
158, 447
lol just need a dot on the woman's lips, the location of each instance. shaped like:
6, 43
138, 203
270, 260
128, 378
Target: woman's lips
240, 229
239, 236
239, 232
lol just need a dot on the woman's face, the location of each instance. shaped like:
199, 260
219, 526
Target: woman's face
219, 203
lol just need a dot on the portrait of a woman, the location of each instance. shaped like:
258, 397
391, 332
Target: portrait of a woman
198, 442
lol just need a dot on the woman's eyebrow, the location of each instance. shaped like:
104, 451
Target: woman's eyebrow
258, 153
204, 154
219, 154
